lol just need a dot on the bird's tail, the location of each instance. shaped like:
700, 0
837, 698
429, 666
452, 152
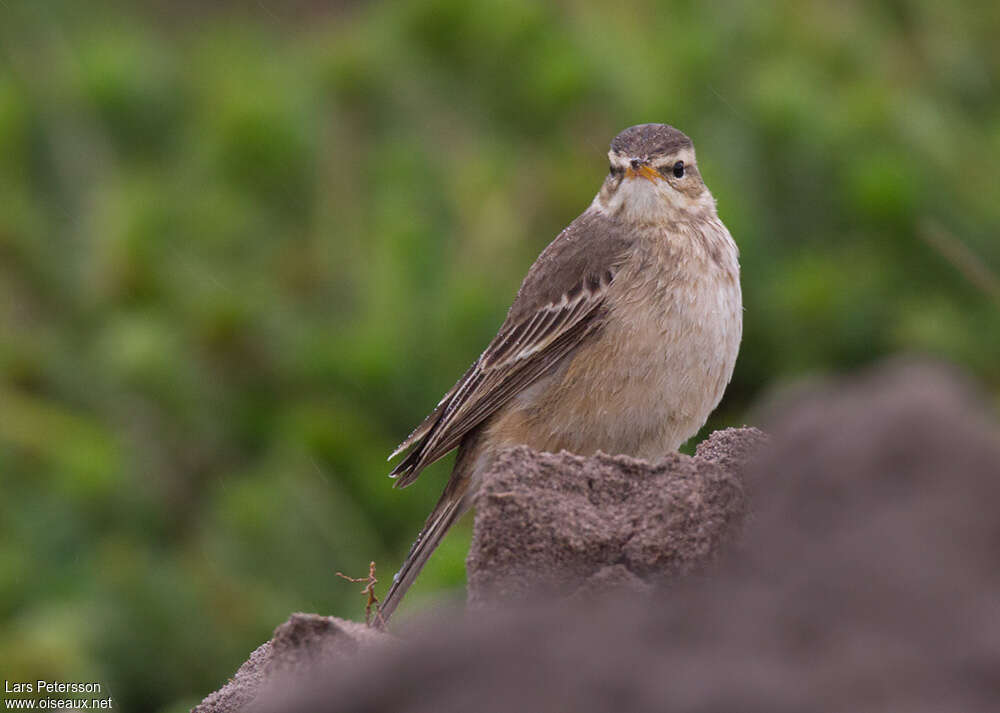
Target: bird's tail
451, 506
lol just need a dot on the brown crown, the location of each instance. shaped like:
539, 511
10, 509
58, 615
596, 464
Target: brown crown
647, 140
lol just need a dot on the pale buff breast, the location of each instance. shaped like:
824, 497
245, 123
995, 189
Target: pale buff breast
661, 365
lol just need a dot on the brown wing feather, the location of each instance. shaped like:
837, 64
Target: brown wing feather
433, 417
559, 304
491, 382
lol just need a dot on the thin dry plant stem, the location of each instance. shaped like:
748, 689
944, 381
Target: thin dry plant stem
370, 581
961, 257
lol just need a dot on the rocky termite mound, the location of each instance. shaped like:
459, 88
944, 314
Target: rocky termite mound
564, 524
866, 579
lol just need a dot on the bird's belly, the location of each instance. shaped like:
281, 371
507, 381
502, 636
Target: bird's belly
646, 385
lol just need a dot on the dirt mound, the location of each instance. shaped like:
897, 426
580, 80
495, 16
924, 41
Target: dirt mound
867, 579
562, 523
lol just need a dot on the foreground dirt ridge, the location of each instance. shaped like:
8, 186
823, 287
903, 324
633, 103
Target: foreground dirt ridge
553, 524
864, 578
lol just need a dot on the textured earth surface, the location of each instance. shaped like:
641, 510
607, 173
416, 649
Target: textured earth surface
866, 579
559, 523
300, 648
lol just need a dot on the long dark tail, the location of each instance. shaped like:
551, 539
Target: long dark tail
452, 505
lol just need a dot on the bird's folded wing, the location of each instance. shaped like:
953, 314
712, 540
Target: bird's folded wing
522, 352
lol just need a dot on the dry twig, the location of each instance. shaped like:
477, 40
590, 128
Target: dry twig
370, 581
972, 267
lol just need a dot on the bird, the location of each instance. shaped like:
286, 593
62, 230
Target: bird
622, 337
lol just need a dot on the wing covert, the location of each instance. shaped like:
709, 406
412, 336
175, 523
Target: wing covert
558, 306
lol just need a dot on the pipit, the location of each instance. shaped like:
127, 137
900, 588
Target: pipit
621, 339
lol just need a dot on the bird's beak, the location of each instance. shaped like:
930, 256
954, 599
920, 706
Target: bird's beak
641, 170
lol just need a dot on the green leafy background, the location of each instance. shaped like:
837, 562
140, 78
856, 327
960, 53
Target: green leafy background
245, 246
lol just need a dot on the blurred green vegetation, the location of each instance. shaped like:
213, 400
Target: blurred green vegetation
244, 249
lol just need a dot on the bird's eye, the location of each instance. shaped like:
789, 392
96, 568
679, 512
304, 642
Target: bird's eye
679, 169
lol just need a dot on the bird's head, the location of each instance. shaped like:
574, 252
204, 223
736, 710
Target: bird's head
653, 177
